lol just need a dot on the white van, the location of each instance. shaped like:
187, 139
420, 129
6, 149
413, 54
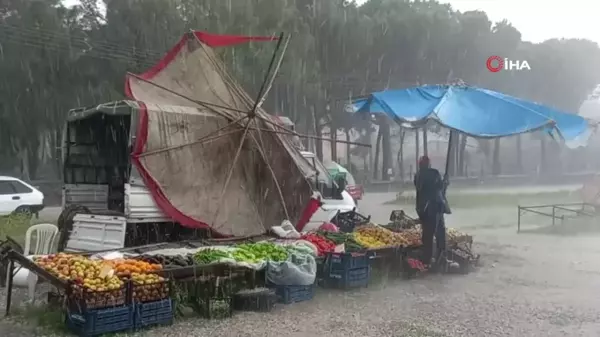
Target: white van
331, 206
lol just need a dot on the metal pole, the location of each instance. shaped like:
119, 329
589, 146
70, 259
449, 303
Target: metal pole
9, 286
553, 215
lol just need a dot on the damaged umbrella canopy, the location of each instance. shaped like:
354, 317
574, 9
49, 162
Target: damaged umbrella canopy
207, 152
477, 112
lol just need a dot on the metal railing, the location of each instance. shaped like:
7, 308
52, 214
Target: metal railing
556, 211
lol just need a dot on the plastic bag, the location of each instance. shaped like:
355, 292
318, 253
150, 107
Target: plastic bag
286, 230
302, 247
299, 270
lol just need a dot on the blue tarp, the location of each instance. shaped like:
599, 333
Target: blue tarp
474, 111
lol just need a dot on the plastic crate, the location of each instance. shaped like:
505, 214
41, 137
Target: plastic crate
100, 321
348, 279
261, 301
150, 292
294, 294
346, 261
347, 221
153, 313
215, 308
82, 299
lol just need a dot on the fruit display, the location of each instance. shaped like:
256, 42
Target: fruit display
412, 236
374, 236
168, 261
94, 274
94, 282
347, 239
149, 287
260, 251
454, 237
400, 221
210, 255
128, 267
323, 244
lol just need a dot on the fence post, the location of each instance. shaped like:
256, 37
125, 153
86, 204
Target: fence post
553, 215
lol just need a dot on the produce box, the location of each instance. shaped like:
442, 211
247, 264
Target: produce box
215, 308
348, 279
153, 313
86, 323
150, 289
346, 261
293, 294
83, 298
260, 299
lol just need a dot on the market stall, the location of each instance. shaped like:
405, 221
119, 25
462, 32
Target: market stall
139, 287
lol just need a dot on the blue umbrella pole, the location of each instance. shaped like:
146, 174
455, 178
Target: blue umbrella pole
447, 171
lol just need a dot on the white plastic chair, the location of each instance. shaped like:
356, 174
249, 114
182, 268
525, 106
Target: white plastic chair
45, 234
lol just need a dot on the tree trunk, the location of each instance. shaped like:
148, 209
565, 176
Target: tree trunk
496, 167
386, 151
333, 143
348, 148
542, 154
317, 131
425, 147
453, 153
519, 155
417, 150
462, 159
376, 160
400, 156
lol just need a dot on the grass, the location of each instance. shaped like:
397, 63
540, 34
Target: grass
481, 200
14, 226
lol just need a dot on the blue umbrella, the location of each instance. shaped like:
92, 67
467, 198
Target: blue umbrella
474, 111
477, 112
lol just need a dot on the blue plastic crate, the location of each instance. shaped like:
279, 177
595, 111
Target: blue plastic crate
347, 279
153, 313
346, 261
293, 294
96, 322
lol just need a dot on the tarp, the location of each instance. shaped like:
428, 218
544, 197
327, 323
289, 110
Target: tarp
186, 177
474, 111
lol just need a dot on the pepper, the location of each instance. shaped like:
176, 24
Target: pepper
323, 245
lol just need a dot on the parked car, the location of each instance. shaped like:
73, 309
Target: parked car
16, 196
355, 190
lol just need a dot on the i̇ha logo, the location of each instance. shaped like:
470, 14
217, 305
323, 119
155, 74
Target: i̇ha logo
496, 63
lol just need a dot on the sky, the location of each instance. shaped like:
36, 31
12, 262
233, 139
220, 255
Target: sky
537, 20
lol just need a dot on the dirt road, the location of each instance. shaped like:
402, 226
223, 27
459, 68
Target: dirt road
529, 285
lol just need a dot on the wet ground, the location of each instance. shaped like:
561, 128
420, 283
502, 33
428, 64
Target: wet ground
529, 285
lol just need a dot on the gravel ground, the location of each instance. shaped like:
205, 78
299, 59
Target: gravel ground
529, 285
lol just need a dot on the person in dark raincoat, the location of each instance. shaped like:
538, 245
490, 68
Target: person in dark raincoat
430, 208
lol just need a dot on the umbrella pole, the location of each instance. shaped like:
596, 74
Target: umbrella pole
448, 154
447, 172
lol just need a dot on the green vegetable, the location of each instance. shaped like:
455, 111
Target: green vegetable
257, 252
345, 238
206, 256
